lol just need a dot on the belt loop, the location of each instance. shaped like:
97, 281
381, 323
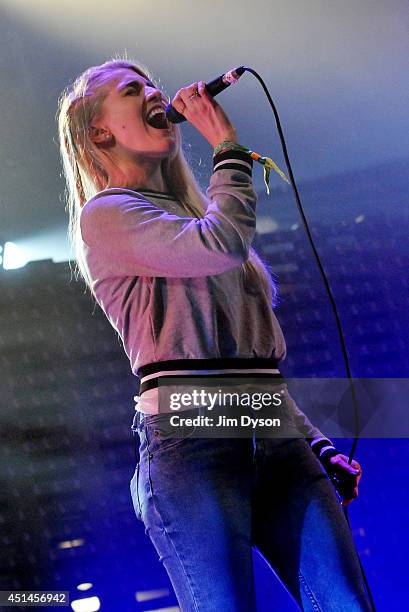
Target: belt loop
137, 423
140, 420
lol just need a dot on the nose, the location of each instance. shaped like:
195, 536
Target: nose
154, 95
153, 90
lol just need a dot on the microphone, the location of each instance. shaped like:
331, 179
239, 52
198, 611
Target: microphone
213, 87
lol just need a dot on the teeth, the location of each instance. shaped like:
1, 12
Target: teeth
155, 111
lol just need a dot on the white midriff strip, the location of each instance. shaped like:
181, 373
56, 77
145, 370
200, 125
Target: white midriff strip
148, 401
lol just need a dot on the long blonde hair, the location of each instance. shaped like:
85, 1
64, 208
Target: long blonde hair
85, 175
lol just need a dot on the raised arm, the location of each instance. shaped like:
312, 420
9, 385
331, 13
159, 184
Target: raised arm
141, 239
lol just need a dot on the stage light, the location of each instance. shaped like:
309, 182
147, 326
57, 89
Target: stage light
85, 586
14, 256
266, 225
89, 604
171, 609
71, 543
152, 594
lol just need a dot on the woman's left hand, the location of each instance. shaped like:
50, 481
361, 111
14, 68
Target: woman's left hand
345, 477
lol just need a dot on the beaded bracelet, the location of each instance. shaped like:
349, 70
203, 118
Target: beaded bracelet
267, 163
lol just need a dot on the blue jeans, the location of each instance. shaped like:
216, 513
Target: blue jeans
205, 502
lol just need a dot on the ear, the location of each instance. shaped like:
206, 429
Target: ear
99, 135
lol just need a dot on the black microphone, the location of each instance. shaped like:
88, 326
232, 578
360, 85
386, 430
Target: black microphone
213, 88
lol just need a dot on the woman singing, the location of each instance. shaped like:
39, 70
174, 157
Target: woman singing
174, 271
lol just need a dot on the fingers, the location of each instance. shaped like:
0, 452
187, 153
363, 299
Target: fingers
203, 91
187, 98
345, 486
184, 96
178, 104
357, 466
348, 491
340, 464
350, 498
204, 113
193, 92
346, 477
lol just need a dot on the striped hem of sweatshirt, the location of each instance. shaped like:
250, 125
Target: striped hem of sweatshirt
232, 367
233, 160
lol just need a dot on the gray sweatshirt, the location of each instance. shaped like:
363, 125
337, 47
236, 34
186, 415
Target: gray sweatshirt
171, 284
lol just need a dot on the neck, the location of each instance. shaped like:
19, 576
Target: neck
145, 176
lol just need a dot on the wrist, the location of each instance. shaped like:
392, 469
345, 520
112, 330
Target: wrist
226, 137
232, 159
323, 448
228, 145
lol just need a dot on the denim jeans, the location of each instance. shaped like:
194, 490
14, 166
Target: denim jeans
206, 502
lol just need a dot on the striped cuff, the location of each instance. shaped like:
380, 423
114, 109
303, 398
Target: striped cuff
323, 448
233, 160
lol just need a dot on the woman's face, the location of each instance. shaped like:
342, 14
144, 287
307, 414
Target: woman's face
124, 111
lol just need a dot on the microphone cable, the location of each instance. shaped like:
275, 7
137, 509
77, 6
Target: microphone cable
330, 296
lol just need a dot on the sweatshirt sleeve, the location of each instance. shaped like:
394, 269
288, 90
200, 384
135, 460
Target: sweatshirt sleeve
320, 444
142, 239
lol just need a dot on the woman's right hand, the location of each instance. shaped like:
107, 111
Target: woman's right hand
204, 113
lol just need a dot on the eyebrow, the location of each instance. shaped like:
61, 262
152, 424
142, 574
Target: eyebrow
134, 82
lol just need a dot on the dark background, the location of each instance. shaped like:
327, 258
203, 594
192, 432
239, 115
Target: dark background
67, 455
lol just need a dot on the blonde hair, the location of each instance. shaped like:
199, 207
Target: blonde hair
85, 174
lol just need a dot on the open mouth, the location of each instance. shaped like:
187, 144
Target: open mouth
156, 118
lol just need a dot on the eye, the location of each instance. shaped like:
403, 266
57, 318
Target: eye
136, 87
132, 88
